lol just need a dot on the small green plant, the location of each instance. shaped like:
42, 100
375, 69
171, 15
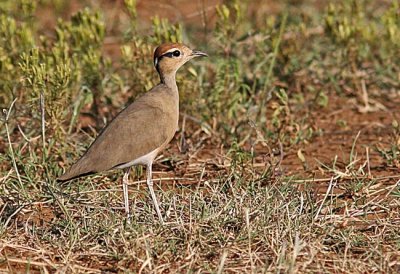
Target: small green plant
15, 39
239, 157
131, 9
227, 98
228, 23
227, 94
347, 22
48, 82
166, 32
75, 57
281, 109
391, 153
391, 22
136, 63
353, 25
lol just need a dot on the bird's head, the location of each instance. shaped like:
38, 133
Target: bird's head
169, 57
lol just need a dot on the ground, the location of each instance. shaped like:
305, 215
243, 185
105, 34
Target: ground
284, 161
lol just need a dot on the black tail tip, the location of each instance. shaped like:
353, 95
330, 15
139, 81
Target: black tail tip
65, 177
62, 178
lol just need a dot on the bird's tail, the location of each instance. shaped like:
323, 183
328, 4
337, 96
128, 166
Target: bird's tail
76, 171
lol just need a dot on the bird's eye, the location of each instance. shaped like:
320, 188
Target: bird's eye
176, 53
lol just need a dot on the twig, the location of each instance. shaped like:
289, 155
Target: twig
247, 215
29, 262
182, 142
331, 185
368, 163
353, 146
222, 262
201, 177
7, 113
23, 134
365, 95
12, 215
343, 178
42, 109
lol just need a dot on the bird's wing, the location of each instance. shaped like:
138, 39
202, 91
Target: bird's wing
139, 129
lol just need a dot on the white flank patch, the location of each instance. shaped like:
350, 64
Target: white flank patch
142, 160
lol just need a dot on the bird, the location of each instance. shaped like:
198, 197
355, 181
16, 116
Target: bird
142, 130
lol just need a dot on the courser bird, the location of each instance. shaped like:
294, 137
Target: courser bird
143, 129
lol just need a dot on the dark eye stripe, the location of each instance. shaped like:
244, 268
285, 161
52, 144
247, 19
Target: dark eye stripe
168, 54
175, 53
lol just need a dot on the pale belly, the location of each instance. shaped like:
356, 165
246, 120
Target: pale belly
142, 160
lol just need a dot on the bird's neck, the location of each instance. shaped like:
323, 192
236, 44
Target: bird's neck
169, 80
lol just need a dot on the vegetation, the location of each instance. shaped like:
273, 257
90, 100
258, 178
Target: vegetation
287, 158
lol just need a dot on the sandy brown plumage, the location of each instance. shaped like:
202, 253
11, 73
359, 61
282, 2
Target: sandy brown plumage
148, 123
141, 130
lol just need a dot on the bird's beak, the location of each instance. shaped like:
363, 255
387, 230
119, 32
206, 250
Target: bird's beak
197, 53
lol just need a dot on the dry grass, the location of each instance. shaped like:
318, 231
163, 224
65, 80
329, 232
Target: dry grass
309, 183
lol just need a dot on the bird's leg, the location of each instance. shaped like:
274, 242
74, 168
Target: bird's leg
153, 195
126, 197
